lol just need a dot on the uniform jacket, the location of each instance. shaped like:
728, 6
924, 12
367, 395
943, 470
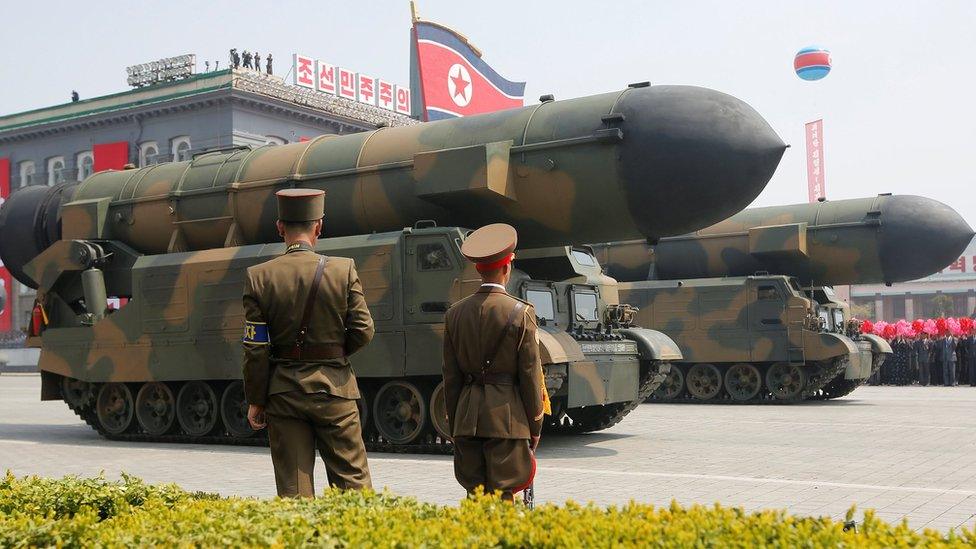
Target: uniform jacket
492, 411
922, 349
275, 293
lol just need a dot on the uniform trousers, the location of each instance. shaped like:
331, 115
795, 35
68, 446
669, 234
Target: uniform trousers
924, 373
300, 422
503, 464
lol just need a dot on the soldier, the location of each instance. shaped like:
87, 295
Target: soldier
235, 58
257, 61
247, 59
493, 381
304, 315
268, 62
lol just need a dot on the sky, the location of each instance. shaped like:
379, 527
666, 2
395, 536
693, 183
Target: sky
899, 106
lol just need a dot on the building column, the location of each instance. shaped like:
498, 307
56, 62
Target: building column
970, 302
909, 307
878, 307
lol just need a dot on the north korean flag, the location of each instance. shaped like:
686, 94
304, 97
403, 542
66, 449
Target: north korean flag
455, 80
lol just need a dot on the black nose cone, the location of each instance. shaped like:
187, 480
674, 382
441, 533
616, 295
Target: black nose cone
920, 236
692, 157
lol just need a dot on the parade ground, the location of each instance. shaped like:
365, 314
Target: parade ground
903, 451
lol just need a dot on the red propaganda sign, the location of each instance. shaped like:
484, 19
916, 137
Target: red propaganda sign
6, 283
110, 156
304, 71
384, 94
327, 78
347, 83
365, 89
816, 188
402, 100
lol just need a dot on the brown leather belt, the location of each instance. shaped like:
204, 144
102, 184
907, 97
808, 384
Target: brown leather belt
490, 379
308, 352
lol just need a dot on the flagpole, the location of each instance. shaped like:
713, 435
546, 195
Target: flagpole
416, 48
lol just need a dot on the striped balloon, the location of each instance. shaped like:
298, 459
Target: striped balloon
812, 63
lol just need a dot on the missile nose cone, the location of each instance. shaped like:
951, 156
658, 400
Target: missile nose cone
919, 236
692, 156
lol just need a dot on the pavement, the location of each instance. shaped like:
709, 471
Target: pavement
903, 451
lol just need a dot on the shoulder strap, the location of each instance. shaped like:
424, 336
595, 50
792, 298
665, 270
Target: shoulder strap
493, 351
312, 291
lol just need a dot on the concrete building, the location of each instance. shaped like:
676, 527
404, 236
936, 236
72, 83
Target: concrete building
165, 122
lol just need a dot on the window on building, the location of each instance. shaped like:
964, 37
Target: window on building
27, 173
55, 170
180, 147
86, 164
275, 140
147, 153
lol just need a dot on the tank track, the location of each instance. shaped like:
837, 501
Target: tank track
652, 376
373, 443
814, 387
839, 387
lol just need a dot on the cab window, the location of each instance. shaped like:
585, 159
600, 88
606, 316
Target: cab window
543, 303
585, 305
433, 257
768, 293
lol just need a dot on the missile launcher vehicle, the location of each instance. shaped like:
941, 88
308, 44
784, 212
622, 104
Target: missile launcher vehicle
861, 241
172, 241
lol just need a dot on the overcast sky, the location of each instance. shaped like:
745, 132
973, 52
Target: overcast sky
899, 108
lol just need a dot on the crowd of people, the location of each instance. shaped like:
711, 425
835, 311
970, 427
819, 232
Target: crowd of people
940, 351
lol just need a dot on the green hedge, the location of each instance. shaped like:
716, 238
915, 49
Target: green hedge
73, 512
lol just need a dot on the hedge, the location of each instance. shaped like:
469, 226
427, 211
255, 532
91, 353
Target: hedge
73, 512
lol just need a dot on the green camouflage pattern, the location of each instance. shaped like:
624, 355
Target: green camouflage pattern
759, 321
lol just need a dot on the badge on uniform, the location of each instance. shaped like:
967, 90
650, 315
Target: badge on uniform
255, 333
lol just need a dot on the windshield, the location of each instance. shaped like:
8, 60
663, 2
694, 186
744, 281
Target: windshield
585, 304
838, 318
824, 315
543, 303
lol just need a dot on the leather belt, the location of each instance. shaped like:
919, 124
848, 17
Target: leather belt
308, 352
490, 379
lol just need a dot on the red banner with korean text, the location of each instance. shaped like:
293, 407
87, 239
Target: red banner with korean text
815, 161
6, 284
110, 156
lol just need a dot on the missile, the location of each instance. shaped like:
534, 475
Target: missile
884, 239
644, 162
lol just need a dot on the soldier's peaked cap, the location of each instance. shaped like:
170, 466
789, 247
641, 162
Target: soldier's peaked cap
491, 246
298, 205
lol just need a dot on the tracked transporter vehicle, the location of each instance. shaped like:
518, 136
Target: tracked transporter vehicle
175, 239
748, 335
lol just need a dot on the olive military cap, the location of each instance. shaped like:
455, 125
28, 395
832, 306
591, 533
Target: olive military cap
491, 246
298, 205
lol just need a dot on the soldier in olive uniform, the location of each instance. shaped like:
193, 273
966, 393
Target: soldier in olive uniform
493, 379
304, 315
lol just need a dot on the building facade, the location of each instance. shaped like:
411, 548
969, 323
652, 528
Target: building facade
170, 121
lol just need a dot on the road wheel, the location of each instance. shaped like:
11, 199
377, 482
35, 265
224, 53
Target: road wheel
438, 412
233, 411
196, 409
704, 381
785, 381
115, 408
673, 385
155, 408
400, 412
76, 393
743, 381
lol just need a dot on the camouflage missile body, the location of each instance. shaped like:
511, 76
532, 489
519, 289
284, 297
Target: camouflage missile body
175, 239
871, 240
